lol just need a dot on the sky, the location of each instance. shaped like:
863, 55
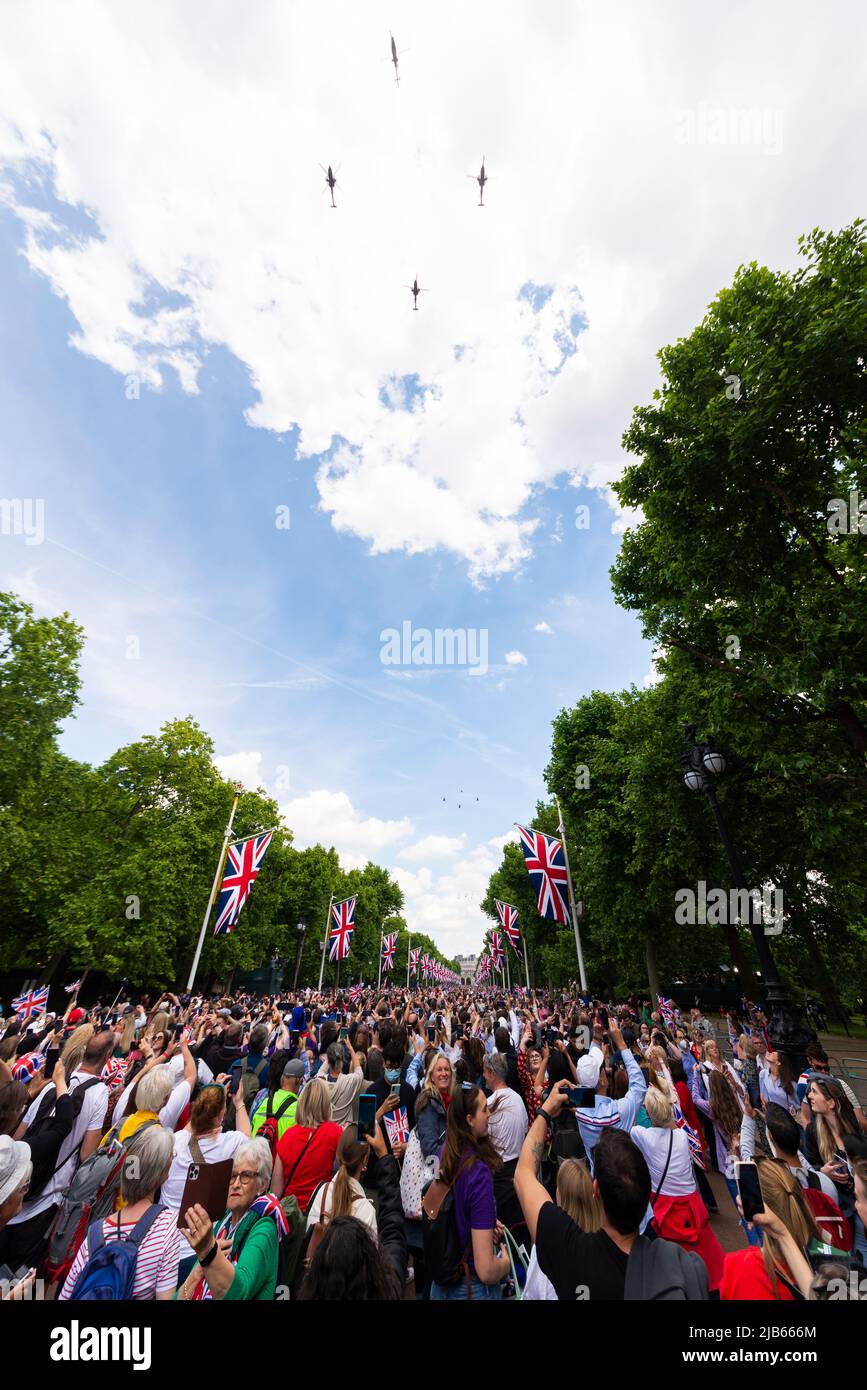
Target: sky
254, 463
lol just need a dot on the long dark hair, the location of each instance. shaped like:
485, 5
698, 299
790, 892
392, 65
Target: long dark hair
348, 1264
462, 1149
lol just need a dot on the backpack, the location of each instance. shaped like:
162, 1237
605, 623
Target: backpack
109, 1273
47, 1165
249, 1083
89, 1197
660, 1270
445, 1259
269, 1129
833, 1226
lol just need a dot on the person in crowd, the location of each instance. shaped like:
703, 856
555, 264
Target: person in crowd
15, 1169
819, 1067
784, 1138
237, 1258
575, 1197
468, 1162
433, 1103
345, 1087
530, 1066
607, 1113
777, 1083
714, 1062
24, 1239
281, 1102
153, 1095
679, 1214
507, 1114
394, 1075
344, 1195
251, 1069
827, 1140
306, 1153
156, 1268
779, 1269
350, 1265
14, 1100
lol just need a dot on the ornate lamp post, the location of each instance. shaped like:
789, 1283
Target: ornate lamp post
300, 929
702, 763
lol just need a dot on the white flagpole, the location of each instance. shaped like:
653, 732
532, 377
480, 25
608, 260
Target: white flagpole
408, 949
526, 962
581, 970
325, 942
379, 975
214, 886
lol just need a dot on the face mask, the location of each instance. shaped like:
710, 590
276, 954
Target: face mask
392, 1074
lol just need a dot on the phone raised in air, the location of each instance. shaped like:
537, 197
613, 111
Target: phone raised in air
366, 1115
583, 1097
431, 1034
749, 1189
343, 1034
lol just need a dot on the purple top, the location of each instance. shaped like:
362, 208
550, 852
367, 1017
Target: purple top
475, 1208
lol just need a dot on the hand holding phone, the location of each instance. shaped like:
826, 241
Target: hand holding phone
749, 1190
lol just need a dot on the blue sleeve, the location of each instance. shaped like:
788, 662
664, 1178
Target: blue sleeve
413, 1071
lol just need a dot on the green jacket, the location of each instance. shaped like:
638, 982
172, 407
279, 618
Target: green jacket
256, 1266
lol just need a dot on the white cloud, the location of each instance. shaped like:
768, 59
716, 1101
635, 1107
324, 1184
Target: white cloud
434, 847
544, 627
329, 818
242, 767
515, 659
196, 157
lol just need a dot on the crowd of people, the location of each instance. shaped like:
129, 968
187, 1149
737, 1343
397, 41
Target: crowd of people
401, 1144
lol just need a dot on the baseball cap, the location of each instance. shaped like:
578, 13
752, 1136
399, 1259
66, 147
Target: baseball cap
224, 1013
588, 1067
76, 1016
15, 1164
294, 1068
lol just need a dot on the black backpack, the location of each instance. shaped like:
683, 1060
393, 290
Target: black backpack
250, 1082
660, 1270
45, 1165
445, 1259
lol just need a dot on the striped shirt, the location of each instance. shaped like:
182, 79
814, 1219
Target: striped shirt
156, 1269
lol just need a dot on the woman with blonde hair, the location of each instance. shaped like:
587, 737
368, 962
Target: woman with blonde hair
75, 1047
306, 1152
780, 1269
679, 1213
344, 1195
433, 1103
575, 1196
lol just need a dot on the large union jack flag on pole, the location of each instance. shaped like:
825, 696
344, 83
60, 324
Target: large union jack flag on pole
33, 1002
389, 946
496, 950
243, 862
546, 865
509, 921
342, 927
414, 954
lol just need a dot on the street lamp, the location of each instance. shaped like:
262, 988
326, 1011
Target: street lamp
702, 763
300, 929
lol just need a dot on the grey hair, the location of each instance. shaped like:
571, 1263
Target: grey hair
495, 1062
154, 1088
148, 1158
257, 1152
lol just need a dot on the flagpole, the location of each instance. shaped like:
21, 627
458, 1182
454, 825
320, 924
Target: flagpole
408, 949
325, 942
581, 970
527, 963
214, 886
379, 972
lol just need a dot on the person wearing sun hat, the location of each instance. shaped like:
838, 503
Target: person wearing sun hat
15, 1170
605, 1113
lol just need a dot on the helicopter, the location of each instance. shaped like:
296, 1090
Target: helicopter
331, 180
394, 58
417, 289
481, 179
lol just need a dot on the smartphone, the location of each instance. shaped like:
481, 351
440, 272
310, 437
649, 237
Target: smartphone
750, 1189
343, 1034
366, 1115
431, 1034
584, 1097
178, 1031
395, 1088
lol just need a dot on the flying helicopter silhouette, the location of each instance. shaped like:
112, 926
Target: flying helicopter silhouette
481, 179
416, 289
331, 180
394, 57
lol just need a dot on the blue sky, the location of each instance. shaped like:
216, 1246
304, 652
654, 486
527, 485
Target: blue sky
432, 463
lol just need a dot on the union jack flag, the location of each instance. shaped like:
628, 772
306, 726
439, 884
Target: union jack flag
546, 865
424, 966
692, 1138
397, 1126
33, 1002
666, 1008
413, 959
389, 946
70, 989
269, 1205
343, 925
496, 950
114, 1071
355, 993
27, 1066
509, 921
243, 862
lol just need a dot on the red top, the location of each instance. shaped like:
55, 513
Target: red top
315, 1167
745, 1276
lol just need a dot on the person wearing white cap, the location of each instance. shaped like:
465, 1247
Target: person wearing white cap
15, 1170
605, 1113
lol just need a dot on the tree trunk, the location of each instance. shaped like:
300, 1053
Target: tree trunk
827, 987
736, 950
50, 969
652, 973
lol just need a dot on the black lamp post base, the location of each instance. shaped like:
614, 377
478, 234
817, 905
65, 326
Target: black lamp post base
789, 1033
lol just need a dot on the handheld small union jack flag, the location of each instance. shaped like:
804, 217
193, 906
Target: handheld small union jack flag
342, 927
70, 989
546, 865
695, 1148
397, 1126
666, 1008
33, 1002
509, 920
389, 946
355, 993
243, 862
496, 950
